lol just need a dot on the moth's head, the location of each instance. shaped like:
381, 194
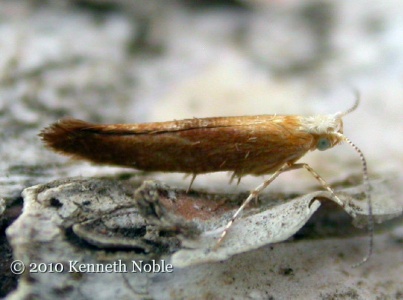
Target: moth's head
327, 129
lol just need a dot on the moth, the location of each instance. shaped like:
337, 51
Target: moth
245, 145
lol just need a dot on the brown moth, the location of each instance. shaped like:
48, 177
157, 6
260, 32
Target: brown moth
245, 145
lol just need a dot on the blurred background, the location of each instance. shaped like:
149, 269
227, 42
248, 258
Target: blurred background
127, 61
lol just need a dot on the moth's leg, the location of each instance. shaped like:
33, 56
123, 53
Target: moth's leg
251, 196
338, 201
261, 187
324, 184
235, 175
191, 182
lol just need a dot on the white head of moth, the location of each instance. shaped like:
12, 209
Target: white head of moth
331, 125
330, 128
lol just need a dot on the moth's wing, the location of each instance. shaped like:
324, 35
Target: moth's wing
244, 145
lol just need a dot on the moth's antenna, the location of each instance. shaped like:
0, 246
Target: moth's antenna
357, 102
369, 201
365, 182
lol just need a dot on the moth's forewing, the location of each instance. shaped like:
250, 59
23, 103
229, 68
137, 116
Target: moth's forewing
243, 145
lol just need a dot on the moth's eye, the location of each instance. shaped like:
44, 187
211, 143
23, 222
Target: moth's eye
323, 144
